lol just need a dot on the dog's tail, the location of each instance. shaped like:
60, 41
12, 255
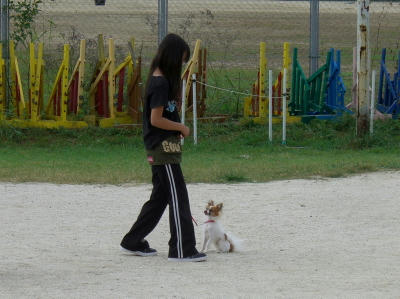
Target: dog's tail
235, 243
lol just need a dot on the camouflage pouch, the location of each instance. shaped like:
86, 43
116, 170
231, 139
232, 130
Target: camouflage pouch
169, 151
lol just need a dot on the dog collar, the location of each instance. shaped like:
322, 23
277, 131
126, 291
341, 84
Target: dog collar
208, 221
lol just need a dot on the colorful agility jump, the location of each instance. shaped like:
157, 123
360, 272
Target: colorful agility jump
197, 65
17, 96
115, 95
36, 70
336, 88
101, 93
3, 105
57, 104
389, 89
278, 85
32, 114
66, 94
105, 110
322, 94
130, 71
257, 105
108, 106
75, 84
194, 81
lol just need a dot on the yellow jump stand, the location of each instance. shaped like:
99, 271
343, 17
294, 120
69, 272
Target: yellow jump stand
190, 69
135, 92
36, 70
101, 93
256, 106
55, 115
126, 108
129, 104
32, 114
17, 100
57, 105
16, 105
277, 90
3, 105
75, 84
196, 65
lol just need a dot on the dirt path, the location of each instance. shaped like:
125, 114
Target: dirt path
305, 239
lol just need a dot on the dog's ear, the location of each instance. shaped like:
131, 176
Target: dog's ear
220, 205
210, 203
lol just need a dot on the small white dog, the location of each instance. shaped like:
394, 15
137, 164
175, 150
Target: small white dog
213, 232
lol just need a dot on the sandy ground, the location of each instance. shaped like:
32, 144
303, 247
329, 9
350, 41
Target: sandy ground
317, 238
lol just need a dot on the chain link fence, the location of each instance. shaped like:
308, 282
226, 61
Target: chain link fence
230, 29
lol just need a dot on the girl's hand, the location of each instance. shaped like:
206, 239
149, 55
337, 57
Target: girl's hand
185, 131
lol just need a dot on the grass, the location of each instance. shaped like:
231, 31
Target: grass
226, 153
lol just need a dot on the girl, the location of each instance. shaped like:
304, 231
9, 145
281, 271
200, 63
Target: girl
162, 132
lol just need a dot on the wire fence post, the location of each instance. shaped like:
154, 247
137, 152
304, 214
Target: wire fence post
162, 19
183, 108
270, 105
194, 109
363, 66
314, 36
372, 106
284, 107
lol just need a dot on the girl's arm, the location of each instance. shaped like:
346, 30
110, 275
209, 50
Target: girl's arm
157, 120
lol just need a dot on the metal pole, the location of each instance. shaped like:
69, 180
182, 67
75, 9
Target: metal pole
194, 109
183, 108
162, 19
363, 66
270, 105
284, 107
237, 100
372, 106
314, 36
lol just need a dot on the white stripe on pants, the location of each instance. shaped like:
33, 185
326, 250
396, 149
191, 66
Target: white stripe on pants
176, 210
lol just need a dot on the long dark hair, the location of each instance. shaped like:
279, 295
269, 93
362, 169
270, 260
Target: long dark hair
169, 60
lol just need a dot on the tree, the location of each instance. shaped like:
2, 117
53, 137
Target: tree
23, 14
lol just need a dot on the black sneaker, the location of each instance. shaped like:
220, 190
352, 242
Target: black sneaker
198, 257
142, 252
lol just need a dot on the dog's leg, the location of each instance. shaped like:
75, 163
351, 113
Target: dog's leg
231, 247
206, 241
222, 245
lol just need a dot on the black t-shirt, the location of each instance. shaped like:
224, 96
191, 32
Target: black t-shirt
158, 94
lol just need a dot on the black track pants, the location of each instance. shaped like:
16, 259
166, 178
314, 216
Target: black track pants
169, 188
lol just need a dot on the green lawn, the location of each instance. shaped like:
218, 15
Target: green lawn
229, 152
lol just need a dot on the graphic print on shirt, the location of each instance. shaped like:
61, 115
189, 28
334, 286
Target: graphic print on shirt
171, 106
